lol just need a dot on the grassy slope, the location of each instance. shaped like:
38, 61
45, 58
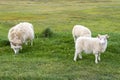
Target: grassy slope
52, 58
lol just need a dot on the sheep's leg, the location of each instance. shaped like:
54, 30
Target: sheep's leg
76, 54
99, 57
26, 43
31, 42
80, 55
21, 48
96, 58
16, 51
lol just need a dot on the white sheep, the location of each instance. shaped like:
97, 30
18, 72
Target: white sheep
80, 31
19, 34
96, 46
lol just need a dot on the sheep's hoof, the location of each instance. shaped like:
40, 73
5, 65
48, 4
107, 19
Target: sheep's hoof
80, 57
74, 60
99, 59
96, 62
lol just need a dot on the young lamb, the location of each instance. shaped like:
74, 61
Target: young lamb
19, 34
80, 31
96, 46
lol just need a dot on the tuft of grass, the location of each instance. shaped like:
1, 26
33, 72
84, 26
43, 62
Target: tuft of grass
47, 33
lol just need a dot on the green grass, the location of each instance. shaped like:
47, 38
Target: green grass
52, 58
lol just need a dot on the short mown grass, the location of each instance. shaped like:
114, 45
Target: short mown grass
51, 57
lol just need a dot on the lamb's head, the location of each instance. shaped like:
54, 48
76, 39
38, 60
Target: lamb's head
16, 45
103, 38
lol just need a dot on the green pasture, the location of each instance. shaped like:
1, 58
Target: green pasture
51, 58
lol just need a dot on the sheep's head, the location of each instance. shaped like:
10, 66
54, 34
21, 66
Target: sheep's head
103, 38
16, 45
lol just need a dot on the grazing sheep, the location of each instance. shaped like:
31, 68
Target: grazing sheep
19, 34
91, 45
80, 31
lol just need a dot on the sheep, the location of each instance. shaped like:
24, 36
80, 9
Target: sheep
80, 31
20, 34
96, 46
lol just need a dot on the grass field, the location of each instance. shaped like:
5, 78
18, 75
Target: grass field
52, 58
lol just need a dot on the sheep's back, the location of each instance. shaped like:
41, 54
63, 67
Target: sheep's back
79, 30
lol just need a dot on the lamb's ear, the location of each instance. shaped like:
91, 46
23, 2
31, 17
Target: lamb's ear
107, 36
99, 35
12, 42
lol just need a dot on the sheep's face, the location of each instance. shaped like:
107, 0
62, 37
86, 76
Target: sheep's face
103, 38
16, 46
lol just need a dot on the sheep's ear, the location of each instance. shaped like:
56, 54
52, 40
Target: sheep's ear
99, 35
107, 36
12, 42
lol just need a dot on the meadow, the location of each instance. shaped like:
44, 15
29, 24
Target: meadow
51, 58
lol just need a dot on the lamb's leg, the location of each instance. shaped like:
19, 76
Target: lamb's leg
80, 55
96, 58
31, 42
99, 57
76, 54
26, 43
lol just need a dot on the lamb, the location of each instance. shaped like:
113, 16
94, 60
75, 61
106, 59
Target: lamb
20, 34
80, 31
96, 46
